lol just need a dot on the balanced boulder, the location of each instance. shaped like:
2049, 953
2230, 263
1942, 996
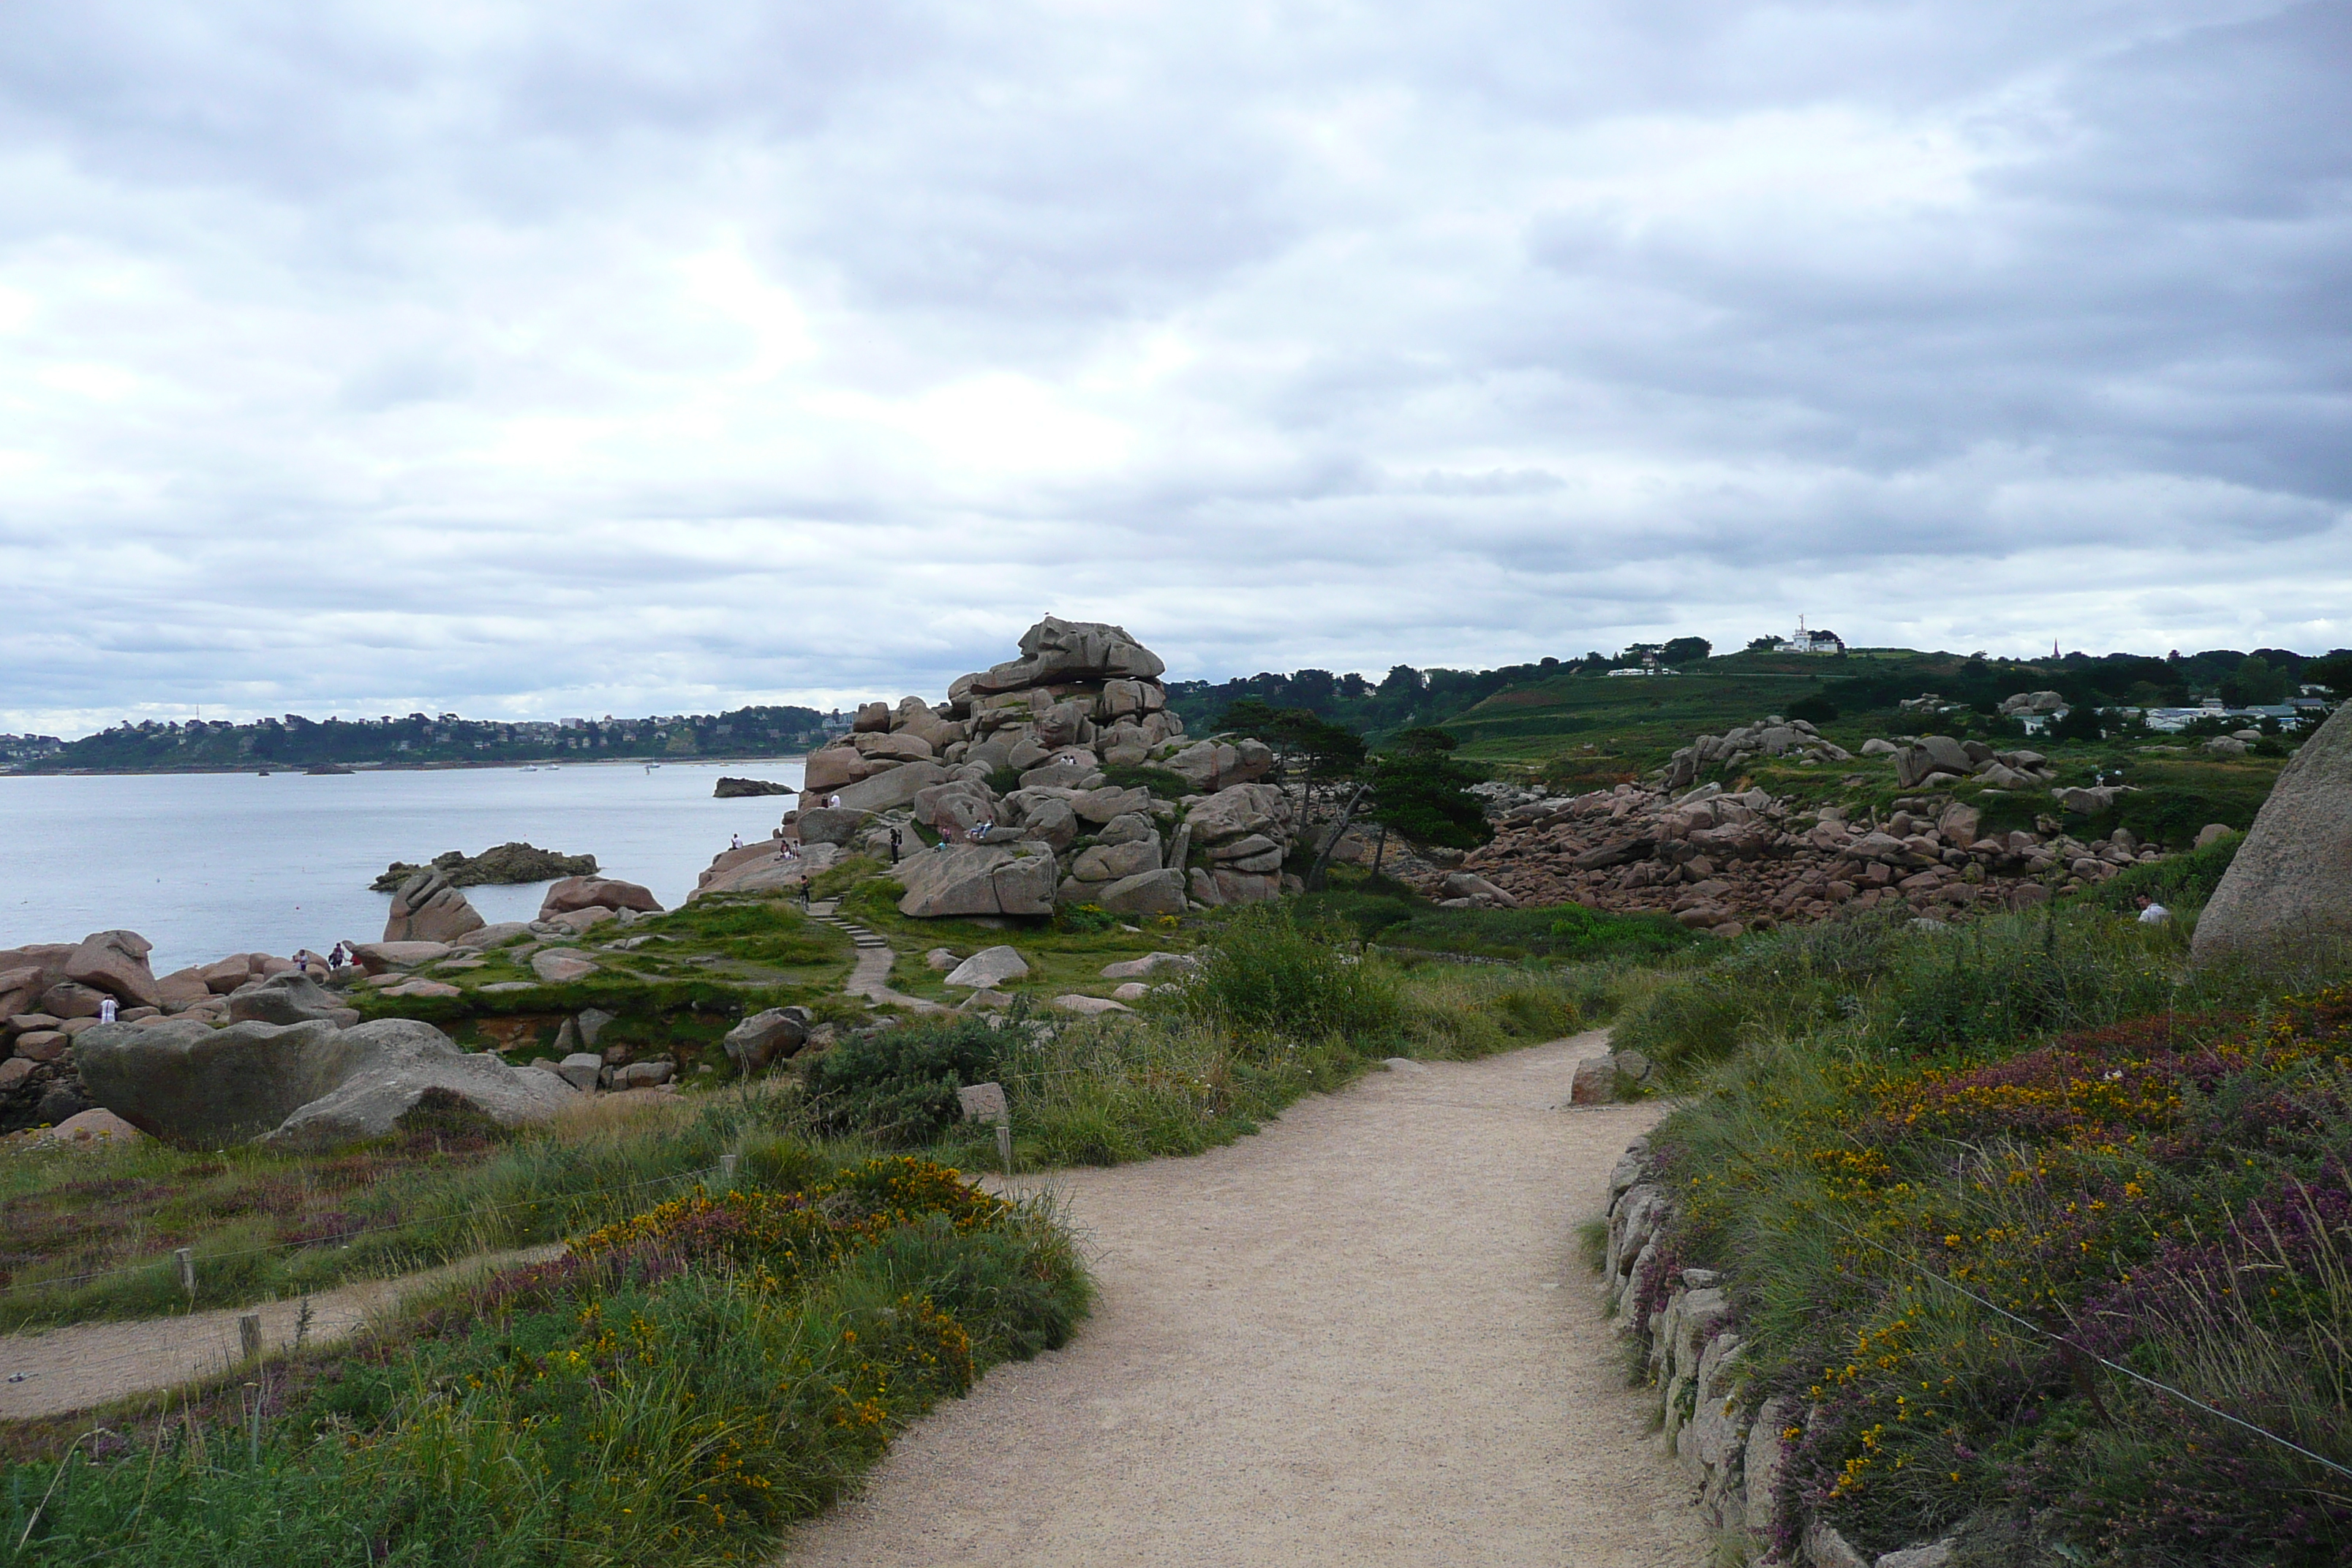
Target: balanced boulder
115, 962
427, 909
2291, 883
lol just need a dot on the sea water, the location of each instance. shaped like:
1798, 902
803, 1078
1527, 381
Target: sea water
203, 865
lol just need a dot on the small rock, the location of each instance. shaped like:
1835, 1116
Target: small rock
1133, 990
940, 959
990, 968
1090, 1006
580, 1069
761, 1038
557, 966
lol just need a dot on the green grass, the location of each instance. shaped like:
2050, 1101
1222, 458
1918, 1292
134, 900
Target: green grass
2056, 1111
674, 1400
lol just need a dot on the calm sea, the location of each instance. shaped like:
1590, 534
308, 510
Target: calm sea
208, 864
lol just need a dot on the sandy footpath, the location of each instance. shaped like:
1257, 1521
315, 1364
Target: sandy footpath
83, 1365
1360, 1337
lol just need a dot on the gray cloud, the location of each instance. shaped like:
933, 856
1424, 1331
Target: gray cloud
366, 356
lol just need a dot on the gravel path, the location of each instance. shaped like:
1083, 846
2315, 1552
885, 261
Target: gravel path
1360, 1337
75, 1367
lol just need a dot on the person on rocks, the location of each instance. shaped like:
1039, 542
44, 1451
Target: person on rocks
833, 800
894, 846
2151, 913
736, 842
106, 1010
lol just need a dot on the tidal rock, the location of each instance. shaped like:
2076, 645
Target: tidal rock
377, 957
738, 789
988, 968
2290, 886
507, 864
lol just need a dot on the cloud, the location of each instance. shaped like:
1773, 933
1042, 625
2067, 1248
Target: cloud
367, 357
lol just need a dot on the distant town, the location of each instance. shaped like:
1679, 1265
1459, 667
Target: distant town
418, 740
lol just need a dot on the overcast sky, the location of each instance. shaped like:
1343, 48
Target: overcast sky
531, 360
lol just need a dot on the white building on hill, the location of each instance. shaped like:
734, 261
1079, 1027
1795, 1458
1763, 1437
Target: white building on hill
1803, 641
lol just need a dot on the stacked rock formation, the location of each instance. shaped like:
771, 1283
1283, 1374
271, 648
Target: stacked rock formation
1083, 697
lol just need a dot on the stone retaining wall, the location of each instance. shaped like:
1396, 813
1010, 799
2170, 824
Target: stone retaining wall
1733, 1446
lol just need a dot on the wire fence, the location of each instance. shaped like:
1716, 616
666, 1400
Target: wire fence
2071, 1349
186, 1260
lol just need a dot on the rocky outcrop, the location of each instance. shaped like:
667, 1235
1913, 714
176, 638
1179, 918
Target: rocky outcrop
427, 909
1020, 754
978, 879
294, 1084
289, 998
2290, 886
1774, 737
507, 864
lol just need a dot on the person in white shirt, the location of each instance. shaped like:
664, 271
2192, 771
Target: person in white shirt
2152, 914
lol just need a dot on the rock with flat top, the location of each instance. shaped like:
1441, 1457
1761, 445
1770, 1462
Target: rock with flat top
587, 892
1090, 1006
560, 966
1150, 964
298, 1084
289, 998
990, 968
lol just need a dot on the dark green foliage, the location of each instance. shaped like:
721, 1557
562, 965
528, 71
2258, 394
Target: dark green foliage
2080, 723
897, 1085
1005, 778
1161, 783
2178, 882
295, 742
1813, 709
1570, 932
1422, 793
1680, 651
1264, 977
1684, 1024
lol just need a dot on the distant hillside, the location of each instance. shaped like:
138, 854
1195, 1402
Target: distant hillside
295, 742
1580, 721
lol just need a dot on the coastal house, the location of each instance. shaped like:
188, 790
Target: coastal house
1815, 641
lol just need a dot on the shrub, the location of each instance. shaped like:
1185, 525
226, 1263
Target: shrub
897, 1085
1264, 977
1685, 1023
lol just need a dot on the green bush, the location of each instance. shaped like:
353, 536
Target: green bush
897, 1085
1685, 1023
1161, 783
1264, 977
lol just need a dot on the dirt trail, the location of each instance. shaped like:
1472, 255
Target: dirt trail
85, 1364
1360, 1337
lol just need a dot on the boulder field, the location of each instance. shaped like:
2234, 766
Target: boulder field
1725, 861
1011, 773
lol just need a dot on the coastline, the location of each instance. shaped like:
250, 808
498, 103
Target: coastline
503, 763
